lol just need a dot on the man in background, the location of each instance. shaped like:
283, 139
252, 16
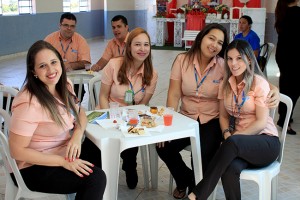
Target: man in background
116, 46
72, 47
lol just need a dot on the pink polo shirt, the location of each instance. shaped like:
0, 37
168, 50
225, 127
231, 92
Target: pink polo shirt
73, 50
257, 96
29, 119
117, 91
204, 103
114, 49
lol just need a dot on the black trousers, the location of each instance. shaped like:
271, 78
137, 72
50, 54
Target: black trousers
129, 158
236, 153
62, 181
286, 86
210, 139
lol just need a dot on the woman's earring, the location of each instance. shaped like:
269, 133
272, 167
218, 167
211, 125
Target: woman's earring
35, 76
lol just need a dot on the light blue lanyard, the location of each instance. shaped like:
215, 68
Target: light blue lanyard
122, 51
134, 93
244, 99
202, 80
65, 51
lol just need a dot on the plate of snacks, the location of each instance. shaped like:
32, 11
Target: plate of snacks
135, 131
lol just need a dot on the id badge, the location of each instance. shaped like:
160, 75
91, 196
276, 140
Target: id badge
232, 124
129, 97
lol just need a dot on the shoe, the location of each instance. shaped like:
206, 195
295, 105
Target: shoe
131, 178
179, 193
290, 131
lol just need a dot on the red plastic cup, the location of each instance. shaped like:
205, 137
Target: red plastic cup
168, 118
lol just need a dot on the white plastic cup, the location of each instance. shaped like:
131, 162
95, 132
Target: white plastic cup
114, 112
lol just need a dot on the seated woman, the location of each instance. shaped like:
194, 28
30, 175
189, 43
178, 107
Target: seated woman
47, 128
247, 34
130, 80
251, 138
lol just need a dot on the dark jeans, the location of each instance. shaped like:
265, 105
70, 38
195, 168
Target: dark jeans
236, 153
210, 139
62, 181
129, 158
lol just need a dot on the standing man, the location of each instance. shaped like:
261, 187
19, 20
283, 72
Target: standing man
72, 47
116, 46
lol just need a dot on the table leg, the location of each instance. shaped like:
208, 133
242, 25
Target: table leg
160, 36
196, 152
177, 34
153, 157
110, 154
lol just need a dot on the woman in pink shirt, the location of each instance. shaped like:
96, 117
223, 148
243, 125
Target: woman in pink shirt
195, 80
251, 138
130, 80
46, 131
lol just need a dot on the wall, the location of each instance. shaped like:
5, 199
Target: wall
18, 32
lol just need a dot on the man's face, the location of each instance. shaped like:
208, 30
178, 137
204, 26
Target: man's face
119, 29
67, 28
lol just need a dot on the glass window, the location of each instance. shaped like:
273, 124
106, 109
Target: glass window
15, 7
76, 5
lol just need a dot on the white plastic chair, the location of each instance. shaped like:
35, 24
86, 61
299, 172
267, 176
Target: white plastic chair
80, 79
94, 90
9, 93
267, 177
10, 165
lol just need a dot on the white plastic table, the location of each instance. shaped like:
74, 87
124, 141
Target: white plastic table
112, 142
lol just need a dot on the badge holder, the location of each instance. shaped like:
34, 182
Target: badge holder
232, 123
129, 97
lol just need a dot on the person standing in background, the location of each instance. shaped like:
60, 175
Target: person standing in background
116, 46
287, 17
72, 47
247, 34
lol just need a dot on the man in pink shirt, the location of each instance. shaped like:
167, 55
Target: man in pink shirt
72, 47
116, 46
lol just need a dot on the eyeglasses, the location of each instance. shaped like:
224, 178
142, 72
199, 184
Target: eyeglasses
68, 26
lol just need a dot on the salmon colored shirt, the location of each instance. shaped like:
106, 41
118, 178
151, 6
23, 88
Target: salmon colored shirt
204, 103
29, 119
114, 49
117, 91
73, 50
257, 96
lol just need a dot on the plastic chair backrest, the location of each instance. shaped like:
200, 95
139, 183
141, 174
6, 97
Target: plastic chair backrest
9, 93
94, 89
289, 104
80, 79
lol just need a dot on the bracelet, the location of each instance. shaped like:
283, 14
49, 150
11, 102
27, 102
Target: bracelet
225, 131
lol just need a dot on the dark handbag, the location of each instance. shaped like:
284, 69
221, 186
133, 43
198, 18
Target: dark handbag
264, 52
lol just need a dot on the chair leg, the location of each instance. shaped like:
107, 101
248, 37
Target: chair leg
171, 184
144, 158
274, 188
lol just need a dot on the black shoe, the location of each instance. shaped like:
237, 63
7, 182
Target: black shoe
291, 131
131, 178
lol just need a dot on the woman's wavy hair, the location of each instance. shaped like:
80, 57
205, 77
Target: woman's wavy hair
39, 89
248, 56
195, 50
128, 59
280, 12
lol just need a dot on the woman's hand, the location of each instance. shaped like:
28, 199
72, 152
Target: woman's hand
273, 98
79, 167
74, 148
192, 196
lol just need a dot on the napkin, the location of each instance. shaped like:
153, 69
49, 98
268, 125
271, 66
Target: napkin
109, 123
158, 128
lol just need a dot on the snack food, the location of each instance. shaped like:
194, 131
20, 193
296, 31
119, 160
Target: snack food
153, 110
148, 121
136, 130
161, 111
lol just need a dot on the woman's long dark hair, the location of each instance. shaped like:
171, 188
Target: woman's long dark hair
128, 60
39, 89
280, 12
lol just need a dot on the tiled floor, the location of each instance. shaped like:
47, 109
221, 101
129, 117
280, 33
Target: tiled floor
12, 72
